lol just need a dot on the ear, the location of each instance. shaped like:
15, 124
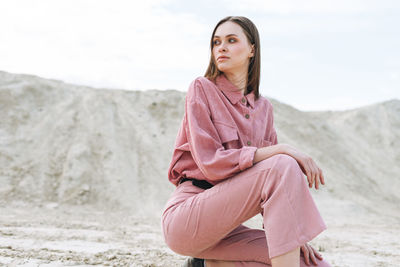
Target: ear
252, 50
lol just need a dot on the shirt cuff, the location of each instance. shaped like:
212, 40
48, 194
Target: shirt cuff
246, 157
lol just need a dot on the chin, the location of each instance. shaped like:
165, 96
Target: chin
222, 68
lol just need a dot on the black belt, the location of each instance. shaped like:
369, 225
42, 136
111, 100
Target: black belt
199, 183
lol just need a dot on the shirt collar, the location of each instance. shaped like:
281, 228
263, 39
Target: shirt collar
231, 91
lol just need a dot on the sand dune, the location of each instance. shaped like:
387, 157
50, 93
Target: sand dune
64, 146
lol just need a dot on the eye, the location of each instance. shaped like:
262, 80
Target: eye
231, 40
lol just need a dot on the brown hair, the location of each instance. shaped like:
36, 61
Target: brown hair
253, 74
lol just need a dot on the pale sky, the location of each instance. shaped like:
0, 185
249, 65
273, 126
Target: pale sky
316, 54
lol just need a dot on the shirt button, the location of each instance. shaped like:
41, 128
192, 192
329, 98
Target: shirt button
248, 143
243, 100
247, 116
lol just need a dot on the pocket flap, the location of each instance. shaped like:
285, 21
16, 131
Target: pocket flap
226, 133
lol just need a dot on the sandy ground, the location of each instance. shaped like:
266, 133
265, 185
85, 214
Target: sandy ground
80, 236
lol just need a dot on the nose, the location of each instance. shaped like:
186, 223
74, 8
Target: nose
222, 47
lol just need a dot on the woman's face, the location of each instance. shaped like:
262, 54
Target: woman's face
230, 42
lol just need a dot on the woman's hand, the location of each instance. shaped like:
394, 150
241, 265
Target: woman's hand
307, 165
310, 253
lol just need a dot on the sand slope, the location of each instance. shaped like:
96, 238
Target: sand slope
64, 145
69, 144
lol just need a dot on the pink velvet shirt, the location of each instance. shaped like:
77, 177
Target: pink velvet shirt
220, 131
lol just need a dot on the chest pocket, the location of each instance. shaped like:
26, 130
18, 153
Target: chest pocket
228, 135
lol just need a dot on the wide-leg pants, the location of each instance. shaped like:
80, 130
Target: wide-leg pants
208, 223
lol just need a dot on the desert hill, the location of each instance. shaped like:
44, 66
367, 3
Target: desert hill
110, 149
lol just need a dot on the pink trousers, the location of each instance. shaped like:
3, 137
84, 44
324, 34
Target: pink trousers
208, 223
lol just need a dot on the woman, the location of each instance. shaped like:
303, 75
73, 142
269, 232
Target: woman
228, 167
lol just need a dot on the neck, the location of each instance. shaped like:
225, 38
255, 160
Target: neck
238, 79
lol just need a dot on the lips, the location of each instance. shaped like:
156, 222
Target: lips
222, 58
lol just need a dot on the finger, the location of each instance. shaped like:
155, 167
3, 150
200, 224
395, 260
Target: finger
317, 181
306, 254
317, 176
310, 175
312, 172
314, 261
311, 253
315, 171
307, 173
303, 169
317, 254
322, 178
302, 249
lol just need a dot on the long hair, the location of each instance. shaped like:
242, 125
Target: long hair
253, 74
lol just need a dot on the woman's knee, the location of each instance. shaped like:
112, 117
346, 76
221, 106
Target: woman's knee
177, 239
285, 161
179, 245
283, 168
279, 162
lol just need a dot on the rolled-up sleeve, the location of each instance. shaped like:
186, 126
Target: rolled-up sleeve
211, 157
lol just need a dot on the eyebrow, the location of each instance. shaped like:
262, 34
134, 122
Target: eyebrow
232, 34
